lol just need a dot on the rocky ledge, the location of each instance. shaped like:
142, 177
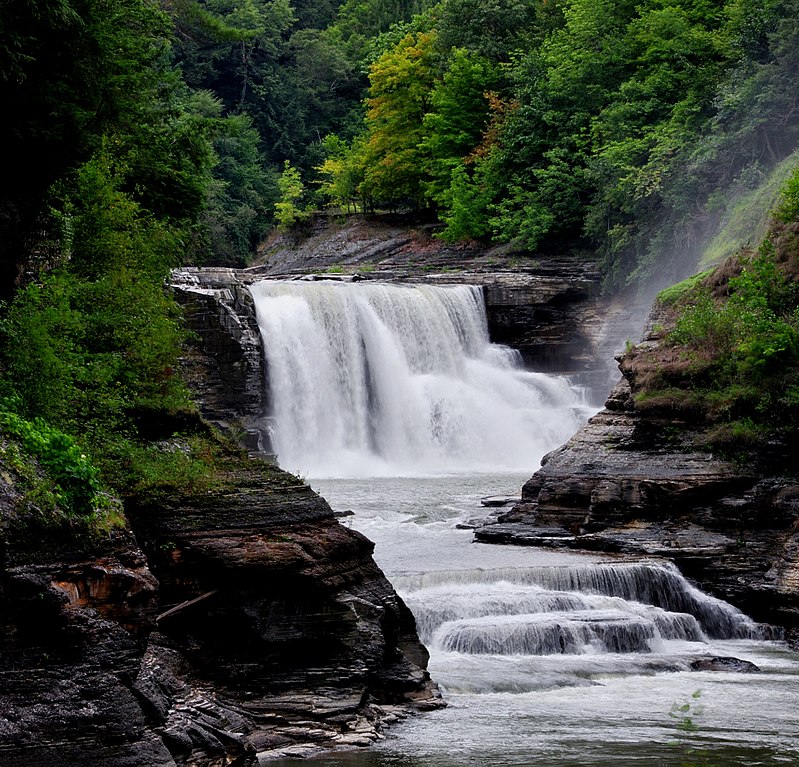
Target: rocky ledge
626, 482
225, 627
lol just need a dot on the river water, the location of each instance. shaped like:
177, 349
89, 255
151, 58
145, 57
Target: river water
585, 707
395, 406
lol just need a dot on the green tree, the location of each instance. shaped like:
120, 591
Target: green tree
71, 70
341, 172
458, 115
401, 82
287, 209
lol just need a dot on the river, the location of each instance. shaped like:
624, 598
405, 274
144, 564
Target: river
590, 707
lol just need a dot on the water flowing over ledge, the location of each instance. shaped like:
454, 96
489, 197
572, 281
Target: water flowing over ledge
391, 380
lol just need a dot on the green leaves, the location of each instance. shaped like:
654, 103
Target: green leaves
394, 158
76, 480
287, 209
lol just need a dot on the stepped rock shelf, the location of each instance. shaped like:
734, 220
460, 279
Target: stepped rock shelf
621, 485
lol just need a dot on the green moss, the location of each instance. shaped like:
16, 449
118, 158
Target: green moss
669, 399
675, 293
746, 218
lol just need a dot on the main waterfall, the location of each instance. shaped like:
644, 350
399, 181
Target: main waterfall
377, 379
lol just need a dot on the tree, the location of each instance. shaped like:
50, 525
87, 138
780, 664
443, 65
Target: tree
71, 71
401, 82
287, 209
458, 115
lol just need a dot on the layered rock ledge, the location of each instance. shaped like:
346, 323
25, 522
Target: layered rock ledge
627, 483
549, 311
240, 623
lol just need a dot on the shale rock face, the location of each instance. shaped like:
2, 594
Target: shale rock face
250, 623
73, 630
289, 630
625, 483
223, 363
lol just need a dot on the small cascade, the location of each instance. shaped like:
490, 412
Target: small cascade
458, 604
369, 379
548, 634
653, 590
638, 609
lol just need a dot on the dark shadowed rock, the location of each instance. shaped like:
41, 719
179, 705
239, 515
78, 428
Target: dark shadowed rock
249, 622
735, 665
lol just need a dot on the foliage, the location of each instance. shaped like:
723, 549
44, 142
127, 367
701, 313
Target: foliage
685, 717
76, 486
676, 292
341, 172
788, 208
393, 154
732, 358
242, 196
457, 117
756, 330
287, 209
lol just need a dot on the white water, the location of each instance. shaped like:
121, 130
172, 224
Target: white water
545, 658
387, 380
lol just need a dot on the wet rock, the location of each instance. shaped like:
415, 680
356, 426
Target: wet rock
240, 620
735, 665
223, 362
623, 484
498, 500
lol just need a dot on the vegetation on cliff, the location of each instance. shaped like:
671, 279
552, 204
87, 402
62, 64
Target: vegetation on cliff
118, 157
629, 129
727, 351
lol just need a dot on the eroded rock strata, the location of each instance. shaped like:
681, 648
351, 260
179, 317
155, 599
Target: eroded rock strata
240, 623
627, 482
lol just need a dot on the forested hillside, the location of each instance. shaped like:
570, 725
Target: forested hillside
144, 135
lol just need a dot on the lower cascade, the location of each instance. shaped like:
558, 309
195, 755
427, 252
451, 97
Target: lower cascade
392, 399
625, 607
371, 379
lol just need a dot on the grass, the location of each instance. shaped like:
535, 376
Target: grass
676, 293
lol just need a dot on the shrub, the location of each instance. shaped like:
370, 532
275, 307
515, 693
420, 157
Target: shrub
77, 486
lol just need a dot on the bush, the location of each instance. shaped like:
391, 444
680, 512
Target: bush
746, 348
77, 486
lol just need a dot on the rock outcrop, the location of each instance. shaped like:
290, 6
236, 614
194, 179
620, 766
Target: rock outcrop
628, 483
225, 626
223, 363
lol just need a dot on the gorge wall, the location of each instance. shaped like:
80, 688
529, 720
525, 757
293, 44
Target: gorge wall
239, 623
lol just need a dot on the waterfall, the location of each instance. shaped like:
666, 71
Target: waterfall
369, 379
644, 614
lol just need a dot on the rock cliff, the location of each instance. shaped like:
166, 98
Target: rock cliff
628, 482
225, 626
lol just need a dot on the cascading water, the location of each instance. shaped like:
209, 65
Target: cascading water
545, 657
374, 379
